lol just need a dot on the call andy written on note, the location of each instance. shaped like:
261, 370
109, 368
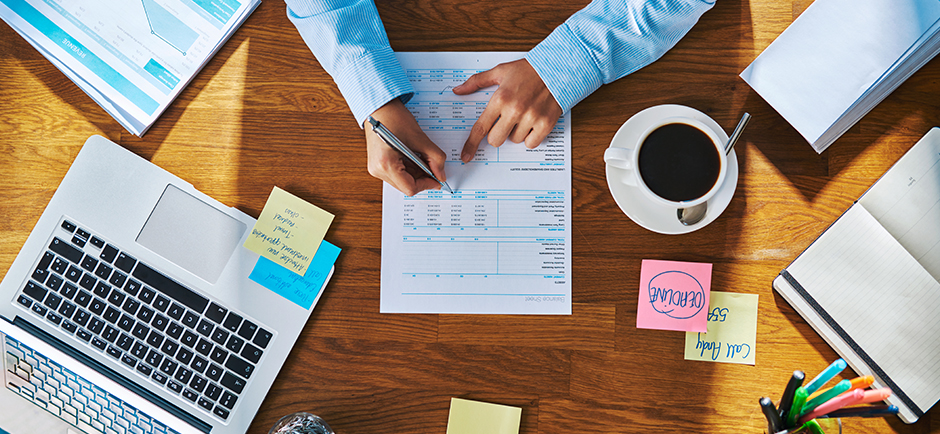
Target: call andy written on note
732, 330
741, 350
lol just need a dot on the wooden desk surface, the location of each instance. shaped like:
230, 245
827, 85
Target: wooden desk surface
263, 113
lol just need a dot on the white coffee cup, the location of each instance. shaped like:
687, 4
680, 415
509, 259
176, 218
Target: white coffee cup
628, 160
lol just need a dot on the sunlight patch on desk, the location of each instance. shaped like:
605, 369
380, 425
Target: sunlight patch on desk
759, 169
757, 162
217, 110
226, 88
765, 191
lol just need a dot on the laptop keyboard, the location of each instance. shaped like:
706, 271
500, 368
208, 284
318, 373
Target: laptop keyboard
157, 328
71, 397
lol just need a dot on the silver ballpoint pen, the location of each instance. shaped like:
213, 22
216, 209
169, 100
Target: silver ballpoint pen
396, 144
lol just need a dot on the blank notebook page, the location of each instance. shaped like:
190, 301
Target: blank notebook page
881, 296
906, 201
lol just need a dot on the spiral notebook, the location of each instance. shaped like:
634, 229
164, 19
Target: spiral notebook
870, 284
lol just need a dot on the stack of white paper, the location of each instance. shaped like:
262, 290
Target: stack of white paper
840, 58
133, 57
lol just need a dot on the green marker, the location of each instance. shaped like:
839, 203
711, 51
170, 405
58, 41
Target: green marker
798, 400
836, 390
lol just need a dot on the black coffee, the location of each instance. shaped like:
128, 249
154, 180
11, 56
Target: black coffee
679, 162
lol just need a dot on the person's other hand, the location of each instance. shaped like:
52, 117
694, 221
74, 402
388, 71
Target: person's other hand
390, 165
522, 109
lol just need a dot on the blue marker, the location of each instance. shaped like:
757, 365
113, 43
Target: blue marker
834, 369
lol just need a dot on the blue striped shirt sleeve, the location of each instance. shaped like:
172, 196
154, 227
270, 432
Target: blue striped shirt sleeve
349, 41
607, 40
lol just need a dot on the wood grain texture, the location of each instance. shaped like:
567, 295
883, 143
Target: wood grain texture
264, 113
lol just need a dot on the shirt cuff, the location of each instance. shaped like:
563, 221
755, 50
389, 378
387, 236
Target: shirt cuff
566, 67
372, 81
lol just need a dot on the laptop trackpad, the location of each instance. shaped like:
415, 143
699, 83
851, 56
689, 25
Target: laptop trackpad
191, 233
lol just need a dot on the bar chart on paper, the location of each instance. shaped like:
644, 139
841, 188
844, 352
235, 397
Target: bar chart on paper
501, 242
132, 57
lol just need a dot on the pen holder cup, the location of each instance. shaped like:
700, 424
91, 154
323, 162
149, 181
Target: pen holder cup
828, 425
301, 423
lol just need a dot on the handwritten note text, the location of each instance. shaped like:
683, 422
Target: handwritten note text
673, 295
732, 330
289, 231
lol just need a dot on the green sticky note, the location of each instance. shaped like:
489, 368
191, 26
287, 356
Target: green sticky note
474, 417
732, 330
289, 231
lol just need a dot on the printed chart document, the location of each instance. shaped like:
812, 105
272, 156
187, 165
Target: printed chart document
502, 243
133, 57
870, 284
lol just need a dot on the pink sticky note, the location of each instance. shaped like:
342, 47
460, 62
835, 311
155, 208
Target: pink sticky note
674, 295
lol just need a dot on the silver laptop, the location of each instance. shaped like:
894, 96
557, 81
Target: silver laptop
129, 309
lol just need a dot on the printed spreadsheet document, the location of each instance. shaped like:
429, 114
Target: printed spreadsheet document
502, 243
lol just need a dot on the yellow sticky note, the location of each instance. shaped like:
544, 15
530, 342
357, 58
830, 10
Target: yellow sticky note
289, 231
474, 417
732, 330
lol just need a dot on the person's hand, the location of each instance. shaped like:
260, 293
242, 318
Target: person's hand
522, 109
390, 165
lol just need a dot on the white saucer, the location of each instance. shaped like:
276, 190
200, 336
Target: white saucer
651, 215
